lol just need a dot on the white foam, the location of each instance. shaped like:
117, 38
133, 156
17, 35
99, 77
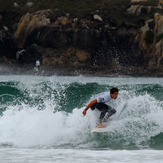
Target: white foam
15, 155
138, 117
30, 127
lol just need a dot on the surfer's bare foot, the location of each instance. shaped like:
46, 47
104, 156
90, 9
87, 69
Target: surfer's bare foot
100, 125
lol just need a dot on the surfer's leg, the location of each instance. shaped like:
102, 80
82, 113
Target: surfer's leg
103, 108
110, 112
102, 115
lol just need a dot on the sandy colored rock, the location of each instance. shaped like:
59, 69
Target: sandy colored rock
161, 1
28, 23
158, 24
139, 9
159, 53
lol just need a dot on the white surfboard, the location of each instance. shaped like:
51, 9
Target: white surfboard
94, 130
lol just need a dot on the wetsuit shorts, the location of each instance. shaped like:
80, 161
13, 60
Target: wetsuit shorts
104, 109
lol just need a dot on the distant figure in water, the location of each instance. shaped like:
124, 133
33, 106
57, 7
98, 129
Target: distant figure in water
98, 102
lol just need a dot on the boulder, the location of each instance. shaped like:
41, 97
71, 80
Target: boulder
97, 17
139, 9
132, 9
29, 4
16, 4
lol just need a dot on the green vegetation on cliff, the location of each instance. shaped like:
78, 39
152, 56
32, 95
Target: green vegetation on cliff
149, 37
158, 38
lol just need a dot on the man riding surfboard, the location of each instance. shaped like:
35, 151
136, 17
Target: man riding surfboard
98, 102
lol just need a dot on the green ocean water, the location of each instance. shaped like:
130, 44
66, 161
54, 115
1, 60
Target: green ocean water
47, 112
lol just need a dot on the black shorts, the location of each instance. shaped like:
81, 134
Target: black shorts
103, 108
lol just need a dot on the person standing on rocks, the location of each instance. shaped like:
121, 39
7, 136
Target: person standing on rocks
37, 65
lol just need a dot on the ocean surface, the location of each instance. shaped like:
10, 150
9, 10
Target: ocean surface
41, 120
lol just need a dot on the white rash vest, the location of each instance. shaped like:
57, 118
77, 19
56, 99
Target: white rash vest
102, 97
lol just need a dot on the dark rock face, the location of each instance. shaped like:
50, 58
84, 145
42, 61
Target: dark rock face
60, 38
81, 44
7, 47
102, 47
75, 43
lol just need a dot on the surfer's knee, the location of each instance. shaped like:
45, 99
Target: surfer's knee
113, 111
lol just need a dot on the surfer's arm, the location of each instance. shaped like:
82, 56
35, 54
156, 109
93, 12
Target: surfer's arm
89, 105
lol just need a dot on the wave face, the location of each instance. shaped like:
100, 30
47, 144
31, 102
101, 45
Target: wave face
47, 112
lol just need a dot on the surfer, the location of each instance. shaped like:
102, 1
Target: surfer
98, 102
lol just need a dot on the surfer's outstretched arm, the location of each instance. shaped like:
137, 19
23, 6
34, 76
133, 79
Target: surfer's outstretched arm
89, 105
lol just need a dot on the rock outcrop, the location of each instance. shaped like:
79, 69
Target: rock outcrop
70, 42
139, 9
66, 43
92, 42
28, 23
151, 40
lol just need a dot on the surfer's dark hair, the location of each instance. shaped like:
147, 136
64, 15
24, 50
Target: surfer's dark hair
113, 90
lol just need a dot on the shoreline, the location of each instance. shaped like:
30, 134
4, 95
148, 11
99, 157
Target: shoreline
6, 69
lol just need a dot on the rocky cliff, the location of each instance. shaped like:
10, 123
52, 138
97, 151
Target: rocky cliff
95, 42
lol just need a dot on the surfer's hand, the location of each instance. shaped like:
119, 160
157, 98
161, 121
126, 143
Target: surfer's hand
84, 112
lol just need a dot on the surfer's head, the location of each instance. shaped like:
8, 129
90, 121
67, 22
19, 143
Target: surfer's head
114, 93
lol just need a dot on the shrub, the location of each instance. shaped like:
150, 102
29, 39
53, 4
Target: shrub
159, 37
149, 36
